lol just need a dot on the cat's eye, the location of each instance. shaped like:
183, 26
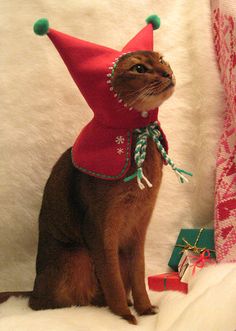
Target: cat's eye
139, 68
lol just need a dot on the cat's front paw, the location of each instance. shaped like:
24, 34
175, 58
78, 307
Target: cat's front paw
151, 310
130, 318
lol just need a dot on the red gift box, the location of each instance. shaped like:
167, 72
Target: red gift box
167, 282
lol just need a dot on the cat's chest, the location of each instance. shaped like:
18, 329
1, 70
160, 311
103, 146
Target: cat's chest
137, 205
152, 170
122, 207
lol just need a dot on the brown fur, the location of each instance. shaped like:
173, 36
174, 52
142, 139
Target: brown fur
95, 256
143, 91
92, 231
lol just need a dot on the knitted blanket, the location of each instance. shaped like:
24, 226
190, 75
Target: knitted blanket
224, 29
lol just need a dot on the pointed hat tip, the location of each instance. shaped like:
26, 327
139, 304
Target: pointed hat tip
41, 27
154, 20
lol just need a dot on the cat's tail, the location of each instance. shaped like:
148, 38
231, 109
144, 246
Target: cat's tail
4, 296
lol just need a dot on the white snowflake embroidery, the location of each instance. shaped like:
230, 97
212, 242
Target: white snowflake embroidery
120, 140
120, 151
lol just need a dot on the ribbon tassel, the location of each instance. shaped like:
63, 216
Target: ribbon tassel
154, 133
141, 176
149, 184
180, 176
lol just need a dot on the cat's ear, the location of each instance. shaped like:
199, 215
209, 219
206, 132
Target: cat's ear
143, 41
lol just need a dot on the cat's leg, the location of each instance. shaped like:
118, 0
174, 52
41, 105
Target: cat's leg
124, 259
142, 303
103, 246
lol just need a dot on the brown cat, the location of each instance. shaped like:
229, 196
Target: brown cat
92, 231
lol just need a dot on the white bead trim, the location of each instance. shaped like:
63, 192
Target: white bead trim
144, 114
110, 74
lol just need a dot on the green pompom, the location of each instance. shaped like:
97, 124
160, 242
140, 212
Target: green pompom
154, 20
41, 26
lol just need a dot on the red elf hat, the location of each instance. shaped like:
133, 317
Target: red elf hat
89, 65
103, 147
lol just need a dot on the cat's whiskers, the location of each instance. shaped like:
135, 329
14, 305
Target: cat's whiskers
144, 93
157, 88
135, 92
131, 98
149, 97
139, 99
143, 89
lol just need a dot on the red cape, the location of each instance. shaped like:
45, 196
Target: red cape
105, 152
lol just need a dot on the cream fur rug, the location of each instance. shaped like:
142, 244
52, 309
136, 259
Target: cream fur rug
209, 306
41, 114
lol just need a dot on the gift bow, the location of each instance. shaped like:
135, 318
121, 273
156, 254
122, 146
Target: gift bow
201, 260
194, 248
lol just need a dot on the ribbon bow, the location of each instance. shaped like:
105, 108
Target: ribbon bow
152, 131
194, 248
201, 260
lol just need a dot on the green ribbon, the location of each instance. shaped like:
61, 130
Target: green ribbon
152, 131
165, 284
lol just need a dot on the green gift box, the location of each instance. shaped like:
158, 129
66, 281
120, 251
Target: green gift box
195, 240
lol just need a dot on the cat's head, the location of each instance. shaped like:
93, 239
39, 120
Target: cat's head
143, 80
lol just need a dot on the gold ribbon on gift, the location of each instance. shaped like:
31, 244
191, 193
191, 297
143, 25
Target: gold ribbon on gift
193, 248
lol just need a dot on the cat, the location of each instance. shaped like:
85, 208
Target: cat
92, 231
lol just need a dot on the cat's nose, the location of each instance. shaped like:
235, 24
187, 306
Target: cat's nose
169, 75
166, 74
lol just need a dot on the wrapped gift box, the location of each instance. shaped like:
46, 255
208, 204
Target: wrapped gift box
189, 239
167, 282
190, 264
186, 262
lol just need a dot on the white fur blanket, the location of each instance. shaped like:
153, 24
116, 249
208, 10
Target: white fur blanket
41, 114
209, 306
